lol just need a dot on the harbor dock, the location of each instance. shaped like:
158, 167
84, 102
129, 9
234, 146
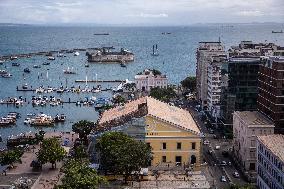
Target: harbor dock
99, 81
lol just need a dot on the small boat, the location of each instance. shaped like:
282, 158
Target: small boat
59, 55
2, 72
87, 65
27, 121
13, 57
281, 31
76, 53
8, 75
122, 64
2, 61
51, 58
60, 90
15, 64
36, 66
46, 63
40, 90
27, 70
25, 86
69, 71
60, 118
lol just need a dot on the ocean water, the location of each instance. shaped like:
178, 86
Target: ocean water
176, 59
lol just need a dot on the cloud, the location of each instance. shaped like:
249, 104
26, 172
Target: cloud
250, 13
167, 12
145, 15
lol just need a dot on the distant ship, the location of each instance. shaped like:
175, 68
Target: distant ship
105, 55
101, 33
277, 31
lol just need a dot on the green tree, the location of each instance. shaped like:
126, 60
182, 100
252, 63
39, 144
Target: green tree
163, 94
83, 128
10, 157
121, 154
80, 152
189, 83
118, 99
51, 151
78, 175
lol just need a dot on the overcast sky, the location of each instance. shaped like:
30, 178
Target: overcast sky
138, 12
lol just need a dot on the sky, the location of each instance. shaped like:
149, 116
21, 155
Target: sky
140, 12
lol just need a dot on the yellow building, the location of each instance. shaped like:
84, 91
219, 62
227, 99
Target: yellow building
170, 131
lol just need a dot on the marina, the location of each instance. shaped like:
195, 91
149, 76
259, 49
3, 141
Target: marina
48, 78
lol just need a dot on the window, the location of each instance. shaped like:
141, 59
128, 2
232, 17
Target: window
178, 160
164, 145
193, 146
252, 166
179, 145
164, 159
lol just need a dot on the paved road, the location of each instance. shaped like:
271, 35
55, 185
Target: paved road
215, 158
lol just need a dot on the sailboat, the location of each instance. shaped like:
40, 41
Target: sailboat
69, 71
155, 50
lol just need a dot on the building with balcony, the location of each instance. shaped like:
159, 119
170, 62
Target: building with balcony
204, 53
270, 162
247, 125
214, 84
149, 79
271, 90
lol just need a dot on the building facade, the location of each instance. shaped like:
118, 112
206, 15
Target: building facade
214, 84
148, 79
247, 125
204, 54
240, 93
270, 163
170, 131
271, 91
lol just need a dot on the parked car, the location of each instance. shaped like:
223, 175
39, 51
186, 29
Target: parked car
210, 151
223, 179
236, 174
217, 147
206, 142
223, 163
211, 131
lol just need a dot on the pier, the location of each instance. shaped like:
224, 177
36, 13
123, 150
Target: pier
45, 53
99, 81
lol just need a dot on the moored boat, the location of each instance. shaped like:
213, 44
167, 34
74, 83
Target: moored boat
51, 58
15, 64
27, 70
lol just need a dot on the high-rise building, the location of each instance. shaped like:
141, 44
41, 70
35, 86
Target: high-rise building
214, 84
271, 90
240, 92
270, 162
205, 52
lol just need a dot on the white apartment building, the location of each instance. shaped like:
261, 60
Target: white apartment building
214, 84
147, 80
204, 53
247, 125
270, 163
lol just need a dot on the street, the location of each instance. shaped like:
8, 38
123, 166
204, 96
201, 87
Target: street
213, 155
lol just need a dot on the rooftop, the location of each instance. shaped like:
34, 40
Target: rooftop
254, 119
275, 143
155, 108
245, 59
